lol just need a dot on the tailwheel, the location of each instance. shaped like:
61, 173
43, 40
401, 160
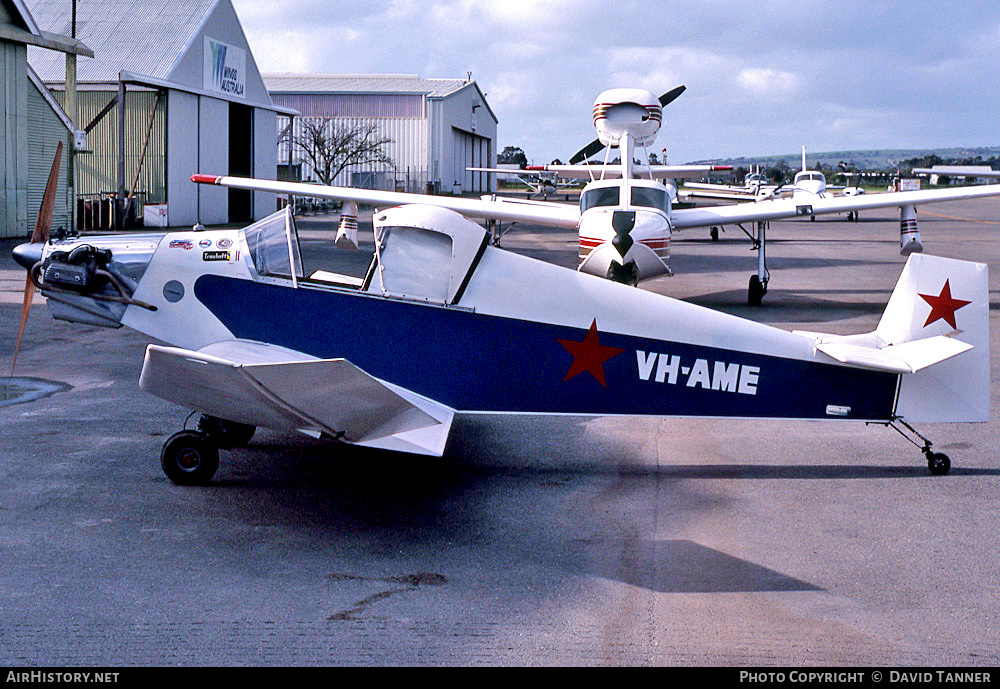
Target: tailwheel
756, 291
225, 433
189, 458
938, 463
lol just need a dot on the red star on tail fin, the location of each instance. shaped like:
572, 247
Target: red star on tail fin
943, 306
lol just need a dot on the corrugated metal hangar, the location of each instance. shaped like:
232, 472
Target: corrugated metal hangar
173, 90
437, 128
31, 123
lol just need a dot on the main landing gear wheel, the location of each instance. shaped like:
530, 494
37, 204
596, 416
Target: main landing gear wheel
225, 433
938, 463
714, 234
756, 291
189, 458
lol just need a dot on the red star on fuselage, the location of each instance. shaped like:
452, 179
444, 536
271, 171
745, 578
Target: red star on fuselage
589, 355
943, 306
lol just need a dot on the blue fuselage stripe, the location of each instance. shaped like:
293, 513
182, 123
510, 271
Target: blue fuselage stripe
476, 362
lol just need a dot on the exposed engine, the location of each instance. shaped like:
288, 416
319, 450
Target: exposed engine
87, 285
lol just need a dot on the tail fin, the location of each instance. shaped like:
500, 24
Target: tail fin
937, 297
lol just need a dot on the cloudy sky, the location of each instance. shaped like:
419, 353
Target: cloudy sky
762, 77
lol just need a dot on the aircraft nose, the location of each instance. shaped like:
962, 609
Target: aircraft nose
28, 255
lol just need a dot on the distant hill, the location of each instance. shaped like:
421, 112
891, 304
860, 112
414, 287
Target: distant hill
863, 160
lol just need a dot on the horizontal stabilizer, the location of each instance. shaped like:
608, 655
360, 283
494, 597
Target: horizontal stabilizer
282, 389
908, 357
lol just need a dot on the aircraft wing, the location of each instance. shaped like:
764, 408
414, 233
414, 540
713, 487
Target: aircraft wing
955, 171
611, 171
778, 209
267, 385
554, 215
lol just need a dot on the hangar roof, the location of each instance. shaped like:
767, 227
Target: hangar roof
362, 83
141, 37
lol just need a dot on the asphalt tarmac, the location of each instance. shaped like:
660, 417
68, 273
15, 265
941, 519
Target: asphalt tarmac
534, 541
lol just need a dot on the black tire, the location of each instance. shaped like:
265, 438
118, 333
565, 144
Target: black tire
714, 234
755, 291
225, 433
189, 458
938, 463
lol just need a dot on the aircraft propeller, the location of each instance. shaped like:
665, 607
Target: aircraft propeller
595, 146
32, 253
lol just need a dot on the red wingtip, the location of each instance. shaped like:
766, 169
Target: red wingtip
534, 167
205, 179
722, 167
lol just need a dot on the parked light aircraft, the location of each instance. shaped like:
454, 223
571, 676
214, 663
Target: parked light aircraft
756, 186
540, 182
388, 363
625, 216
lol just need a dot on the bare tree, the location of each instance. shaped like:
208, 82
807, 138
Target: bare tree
329, 147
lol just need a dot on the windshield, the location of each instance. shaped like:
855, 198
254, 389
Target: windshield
603, 196
813, 176
653, 198
274, 246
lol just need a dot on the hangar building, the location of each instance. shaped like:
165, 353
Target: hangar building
193, 102
437, 128
31, 123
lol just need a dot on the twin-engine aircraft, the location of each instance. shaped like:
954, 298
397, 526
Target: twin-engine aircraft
625, 216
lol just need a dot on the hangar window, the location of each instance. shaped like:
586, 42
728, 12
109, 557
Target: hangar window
602, 196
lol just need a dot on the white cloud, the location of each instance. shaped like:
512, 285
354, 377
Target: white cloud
768, 83
761, 77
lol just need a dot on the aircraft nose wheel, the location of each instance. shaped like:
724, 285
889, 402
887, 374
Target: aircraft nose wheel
189, 458
756, 291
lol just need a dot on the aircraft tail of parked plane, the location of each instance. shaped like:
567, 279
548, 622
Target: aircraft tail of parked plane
918, 335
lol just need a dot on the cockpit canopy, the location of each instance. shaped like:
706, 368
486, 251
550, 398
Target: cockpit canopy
274, 245
425, 253
810, 176
645, 194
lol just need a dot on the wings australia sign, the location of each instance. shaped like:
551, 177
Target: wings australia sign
225, 68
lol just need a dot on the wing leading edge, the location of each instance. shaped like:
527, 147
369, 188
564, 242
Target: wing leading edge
279, 388
556, 215
789, 208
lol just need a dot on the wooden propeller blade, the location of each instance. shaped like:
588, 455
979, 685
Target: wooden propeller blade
44, 219
40, 234
29, 292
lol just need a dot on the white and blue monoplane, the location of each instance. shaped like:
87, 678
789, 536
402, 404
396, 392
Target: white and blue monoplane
444, 323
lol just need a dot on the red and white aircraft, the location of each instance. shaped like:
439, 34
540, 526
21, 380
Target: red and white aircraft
625, 217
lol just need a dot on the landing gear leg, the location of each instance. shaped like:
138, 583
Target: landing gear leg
937, 462
224, 433
758, 283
